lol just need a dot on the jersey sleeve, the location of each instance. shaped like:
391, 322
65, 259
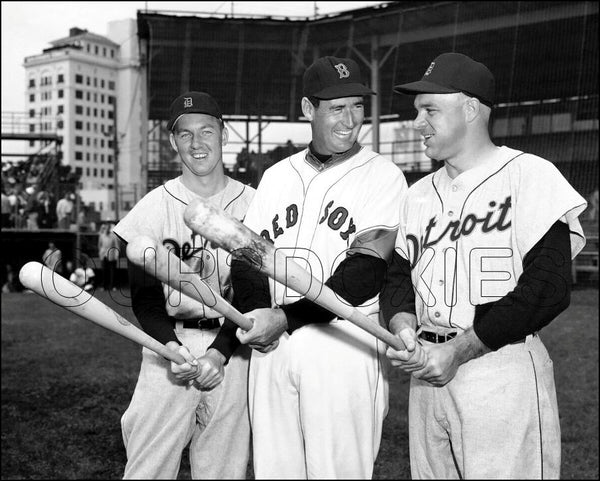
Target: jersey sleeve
540, 197
379, 219
135, 223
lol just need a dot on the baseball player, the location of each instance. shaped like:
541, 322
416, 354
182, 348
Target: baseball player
318, 400
202, 400
487, 242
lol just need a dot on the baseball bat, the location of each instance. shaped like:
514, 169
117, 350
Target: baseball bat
62, 292
230, 234
167, 268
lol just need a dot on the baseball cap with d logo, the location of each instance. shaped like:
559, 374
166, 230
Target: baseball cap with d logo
333, 78
193, 103
451, 73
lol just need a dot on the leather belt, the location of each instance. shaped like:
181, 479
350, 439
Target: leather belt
202, 323
435, 337
439, 338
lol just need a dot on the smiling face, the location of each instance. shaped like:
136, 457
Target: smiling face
441, 120
335, 123
199, 139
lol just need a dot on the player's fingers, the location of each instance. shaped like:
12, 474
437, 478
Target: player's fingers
185, 353
409, 338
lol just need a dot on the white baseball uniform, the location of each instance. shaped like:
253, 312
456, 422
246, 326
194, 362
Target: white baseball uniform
317, 402
165, 413
466, 239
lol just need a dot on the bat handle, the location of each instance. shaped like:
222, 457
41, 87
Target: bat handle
172, 355
376, 330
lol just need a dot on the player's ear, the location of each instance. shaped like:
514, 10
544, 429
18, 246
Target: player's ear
224, 135
308, 109
172, 140
472, 108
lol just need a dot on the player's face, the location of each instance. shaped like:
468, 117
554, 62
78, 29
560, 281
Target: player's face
336, 123
442, 123
199, 139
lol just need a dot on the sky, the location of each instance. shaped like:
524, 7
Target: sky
28, 27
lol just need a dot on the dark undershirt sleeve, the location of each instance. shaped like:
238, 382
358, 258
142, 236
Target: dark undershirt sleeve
357, 279
148, 305
542, 292
226, 341
250, 287
398, 294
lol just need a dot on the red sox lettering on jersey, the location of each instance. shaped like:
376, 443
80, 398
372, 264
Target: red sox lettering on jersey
336, 218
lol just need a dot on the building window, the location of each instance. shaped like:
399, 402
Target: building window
95, 82
102, 113
87, 81
32, 143
95, 142
31, 113
78, 94
78, 155
87, 111
101, 158
31, 127
78, 171
87, 47
78, 140
96, 49
104, 54
95, 172
95, 112
87, 142
95, 97
32, 97
61, 93
79, 109
60, 79
59, 124
102, 83
109, 114
101, 172
87, 126
109, 173
78, 79
78, 125
109, 160
31, 82
87, 156
60, 109
87, 171
87, 96
102, 98
111, 85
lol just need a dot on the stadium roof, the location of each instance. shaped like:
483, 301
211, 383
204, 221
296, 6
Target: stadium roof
254, 66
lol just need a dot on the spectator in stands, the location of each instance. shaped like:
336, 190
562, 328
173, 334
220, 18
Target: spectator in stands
108, 253
84, 277
46, 211
592, 212
6, 210
64, 211
52, 258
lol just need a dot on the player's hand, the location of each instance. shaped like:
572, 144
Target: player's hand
189, 369
211, 369
268, 326
442, 364
412, 358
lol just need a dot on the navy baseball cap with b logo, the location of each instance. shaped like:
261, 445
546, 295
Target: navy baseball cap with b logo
451, 73
333, 78
193, 103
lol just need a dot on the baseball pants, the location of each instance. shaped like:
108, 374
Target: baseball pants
317, 404
165, 415
497, 419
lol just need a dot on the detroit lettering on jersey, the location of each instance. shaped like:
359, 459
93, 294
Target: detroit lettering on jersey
336, 219
495, 219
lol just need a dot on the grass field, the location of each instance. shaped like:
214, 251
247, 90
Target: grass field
66, 383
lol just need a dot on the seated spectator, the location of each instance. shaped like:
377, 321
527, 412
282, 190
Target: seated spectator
84, 277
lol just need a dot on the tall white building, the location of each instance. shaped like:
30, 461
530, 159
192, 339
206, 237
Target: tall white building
88, 89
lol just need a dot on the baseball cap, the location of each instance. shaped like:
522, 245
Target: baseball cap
451, 73
193, 103
333, 78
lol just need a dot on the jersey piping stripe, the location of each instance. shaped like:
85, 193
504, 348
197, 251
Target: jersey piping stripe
537, 394
437, 192
173, 195
462, 210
